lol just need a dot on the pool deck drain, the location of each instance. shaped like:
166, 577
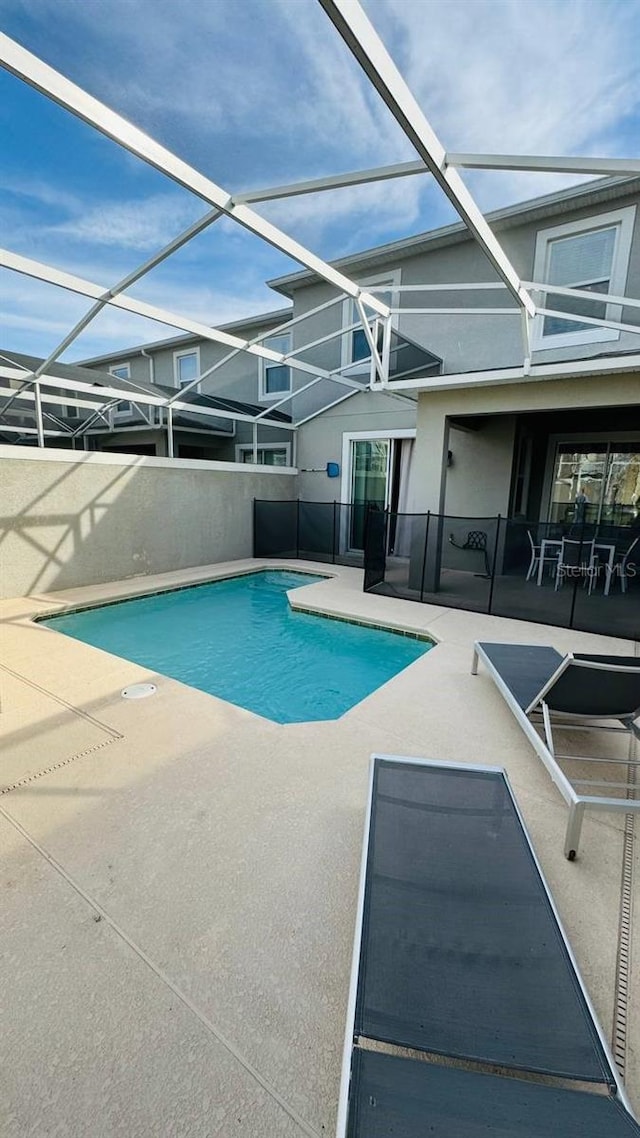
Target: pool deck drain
226, 849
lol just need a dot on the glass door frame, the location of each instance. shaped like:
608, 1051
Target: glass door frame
348, 438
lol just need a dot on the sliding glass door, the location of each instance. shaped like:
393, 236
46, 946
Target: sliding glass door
369, 481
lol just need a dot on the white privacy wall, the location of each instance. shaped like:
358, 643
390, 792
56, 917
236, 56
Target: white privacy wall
69, 519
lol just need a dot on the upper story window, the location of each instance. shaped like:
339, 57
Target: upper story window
592, 255
122, 409
275, 378
355, 345
186, 368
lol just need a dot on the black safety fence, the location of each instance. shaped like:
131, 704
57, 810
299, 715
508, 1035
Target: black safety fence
332, 532
583, 576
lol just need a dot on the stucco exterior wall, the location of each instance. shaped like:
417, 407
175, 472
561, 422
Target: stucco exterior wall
320, 441
79, 519
479, 477
490, 492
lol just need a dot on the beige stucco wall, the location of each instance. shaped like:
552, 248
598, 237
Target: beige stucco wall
483, 471
479, 477
77, 519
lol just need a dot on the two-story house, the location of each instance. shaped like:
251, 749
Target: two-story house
481, 414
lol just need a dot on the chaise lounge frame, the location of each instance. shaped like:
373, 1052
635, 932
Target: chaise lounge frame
545, 747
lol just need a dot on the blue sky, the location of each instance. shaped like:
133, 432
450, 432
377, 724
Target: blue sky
261, 92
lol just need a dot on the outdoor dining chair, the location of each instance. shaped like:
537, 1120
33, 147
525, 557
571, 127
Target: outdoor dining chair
536, 552
621, 566
576, 559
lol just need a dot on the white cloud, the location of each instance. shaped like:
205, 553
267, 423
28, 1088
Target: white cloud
501, 76
135, 224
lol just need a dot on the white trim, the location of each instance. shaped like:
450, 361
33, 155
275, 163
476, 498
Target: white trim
181, 354
623, 220
568, 369
113, 370
265, 396
350, 315
349, 437
248, 447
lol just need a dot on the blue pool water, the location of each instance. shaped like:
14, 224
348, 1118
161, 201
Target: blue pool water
240, 640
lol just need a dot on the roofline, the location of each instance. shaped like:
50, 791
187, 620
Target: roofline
595, 190
276, 316
566, 369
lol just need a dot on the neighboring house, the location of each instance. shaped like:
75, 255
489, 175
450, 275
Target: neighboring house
137, 423
462, 427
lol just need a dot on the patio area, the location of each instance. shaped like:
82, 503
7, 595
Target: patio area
179, 876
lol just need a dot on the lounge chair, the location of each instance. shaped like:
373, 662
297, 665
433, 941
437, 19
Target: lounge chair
462, 975
544, 688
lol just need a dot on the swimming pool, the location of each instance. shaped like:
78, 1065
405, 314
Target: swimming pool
240, 640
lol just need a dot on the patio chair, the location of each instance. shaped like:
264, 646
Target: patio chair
476, 542
621, 564
576, 559
544, 688
549, 558
462, 974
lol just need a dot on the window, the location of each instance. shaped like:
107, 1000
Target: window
591, 255
269, 454
596, 482
275, 378
355, 346
123, 409
186, 367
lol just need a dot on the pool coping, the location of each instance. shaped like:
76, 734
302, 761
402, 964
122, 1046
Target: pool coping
63, 608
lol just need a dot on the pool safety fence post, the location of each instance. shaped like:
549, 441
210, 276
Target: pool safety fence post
334, 542
424, 556
494, 562
575, 577
297, 527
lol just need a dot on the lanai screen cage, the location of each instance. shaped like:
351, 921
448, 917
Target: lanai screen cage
32, 391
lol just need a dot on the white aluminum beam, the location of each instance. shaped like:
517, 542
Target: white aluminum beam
333, 182
583, 293
45, 79
29, 397
98, 390
513, 311
551, 165
8, 429
477, 286
595, 321
524, 162
114, 395
126, 282
365, 44
567, 369
47, 273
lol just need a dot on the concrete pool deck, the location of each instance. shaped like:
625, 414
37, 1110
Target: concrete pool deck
179, 876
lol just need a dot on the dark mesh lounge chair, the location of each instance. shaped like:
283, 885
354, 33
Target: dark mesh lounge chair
549, 691
462, 975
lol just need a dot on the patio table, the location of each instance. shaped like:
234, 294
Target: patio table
549, 544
